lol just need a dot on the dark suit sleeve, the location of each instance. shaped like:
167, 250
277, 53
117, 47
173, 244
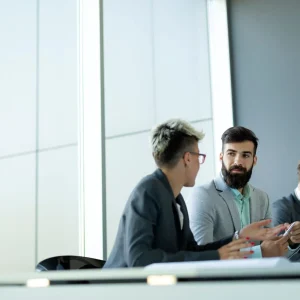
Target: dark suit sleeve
281, 211
142, 216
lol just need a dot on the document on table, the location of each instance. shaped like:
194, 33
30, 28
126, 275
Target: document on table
217, 264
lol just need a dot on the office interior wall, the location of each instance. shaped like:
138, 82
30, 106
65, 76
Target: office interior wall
38, 129
17, 131
156, 68
265, 71
58, 92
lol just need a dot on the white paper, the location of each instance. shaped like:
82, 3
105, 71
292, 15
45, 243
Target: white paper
217, 264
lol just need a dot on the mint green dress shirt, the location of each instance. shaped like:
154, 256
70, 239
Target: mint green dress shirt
242, 202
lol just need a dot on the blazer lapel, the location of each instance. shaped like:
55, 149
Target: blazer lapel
162, 177
182, 232
257, 210
176, 218
228, 197
255, 206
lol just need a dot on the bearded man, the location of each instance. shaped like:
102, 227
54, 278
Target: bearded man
229, 203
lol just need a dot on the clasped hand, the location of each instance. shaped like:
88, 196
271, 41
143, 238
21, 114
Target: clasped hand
294, 234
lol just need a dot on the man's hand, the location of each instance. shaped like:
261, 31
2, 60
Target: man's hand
295, 234
275, 247
255, 231
232, 250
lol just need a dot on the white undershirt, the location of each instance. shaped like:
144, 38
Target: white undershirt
180, 216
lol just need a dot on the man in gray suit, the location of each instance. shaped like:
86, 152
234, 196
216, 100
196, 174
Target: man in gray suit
154, 226
229, 203
287, 210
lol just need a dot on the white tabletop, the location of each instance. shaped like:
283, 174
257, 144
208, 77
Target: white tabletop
209, 269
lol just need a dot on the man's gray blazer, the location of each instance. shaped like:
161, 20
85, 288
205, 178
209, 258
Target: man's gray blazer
150, 230
213, 212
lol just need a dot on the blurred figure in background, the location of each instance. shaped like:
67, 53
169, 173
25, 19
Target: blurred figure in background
287, 210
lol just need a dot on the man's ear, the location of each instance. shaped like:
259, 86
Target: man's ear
254, 160
221, 156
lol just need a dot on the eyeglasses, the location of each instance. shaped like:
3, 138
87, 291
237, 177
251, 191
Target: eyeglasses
201, 156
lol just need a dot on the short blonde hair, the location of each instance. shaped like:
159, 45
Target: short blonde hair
171, 139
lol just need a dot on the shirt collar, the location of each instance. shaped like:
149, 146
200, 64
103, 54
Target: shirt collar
297, 193
244, 196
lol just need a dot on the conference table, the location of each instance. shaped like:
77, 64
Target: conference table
256, 279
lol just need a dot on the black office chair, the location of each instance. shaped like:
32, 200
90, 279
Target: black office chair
69, 262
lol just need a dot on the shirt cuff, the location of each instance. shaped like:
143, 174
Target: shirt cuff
257, 252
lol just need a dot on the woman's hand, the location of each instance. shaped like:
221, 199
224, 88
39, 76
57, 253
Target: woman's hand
233, 249
255, 231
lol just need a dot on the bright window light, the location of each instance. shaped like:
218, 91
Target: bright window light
90, 130
220, 72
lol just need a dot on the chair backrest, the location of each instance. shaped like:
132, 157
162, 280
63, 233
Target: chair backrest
69, 262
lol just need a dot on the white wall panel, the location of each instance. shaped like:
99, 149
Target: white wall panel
182, 78
18, 23
206, 146
58, 207
58, 72
129, 100
128, 159
17, 214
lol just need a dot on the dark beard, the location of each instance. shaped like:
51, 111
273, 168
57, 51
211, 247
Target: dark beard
236, 181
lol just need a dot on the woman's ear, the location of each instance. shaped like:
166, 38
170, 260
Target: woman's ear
187, 158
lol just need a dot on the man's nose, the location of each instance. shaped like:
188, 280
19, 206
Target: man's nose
238, 160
